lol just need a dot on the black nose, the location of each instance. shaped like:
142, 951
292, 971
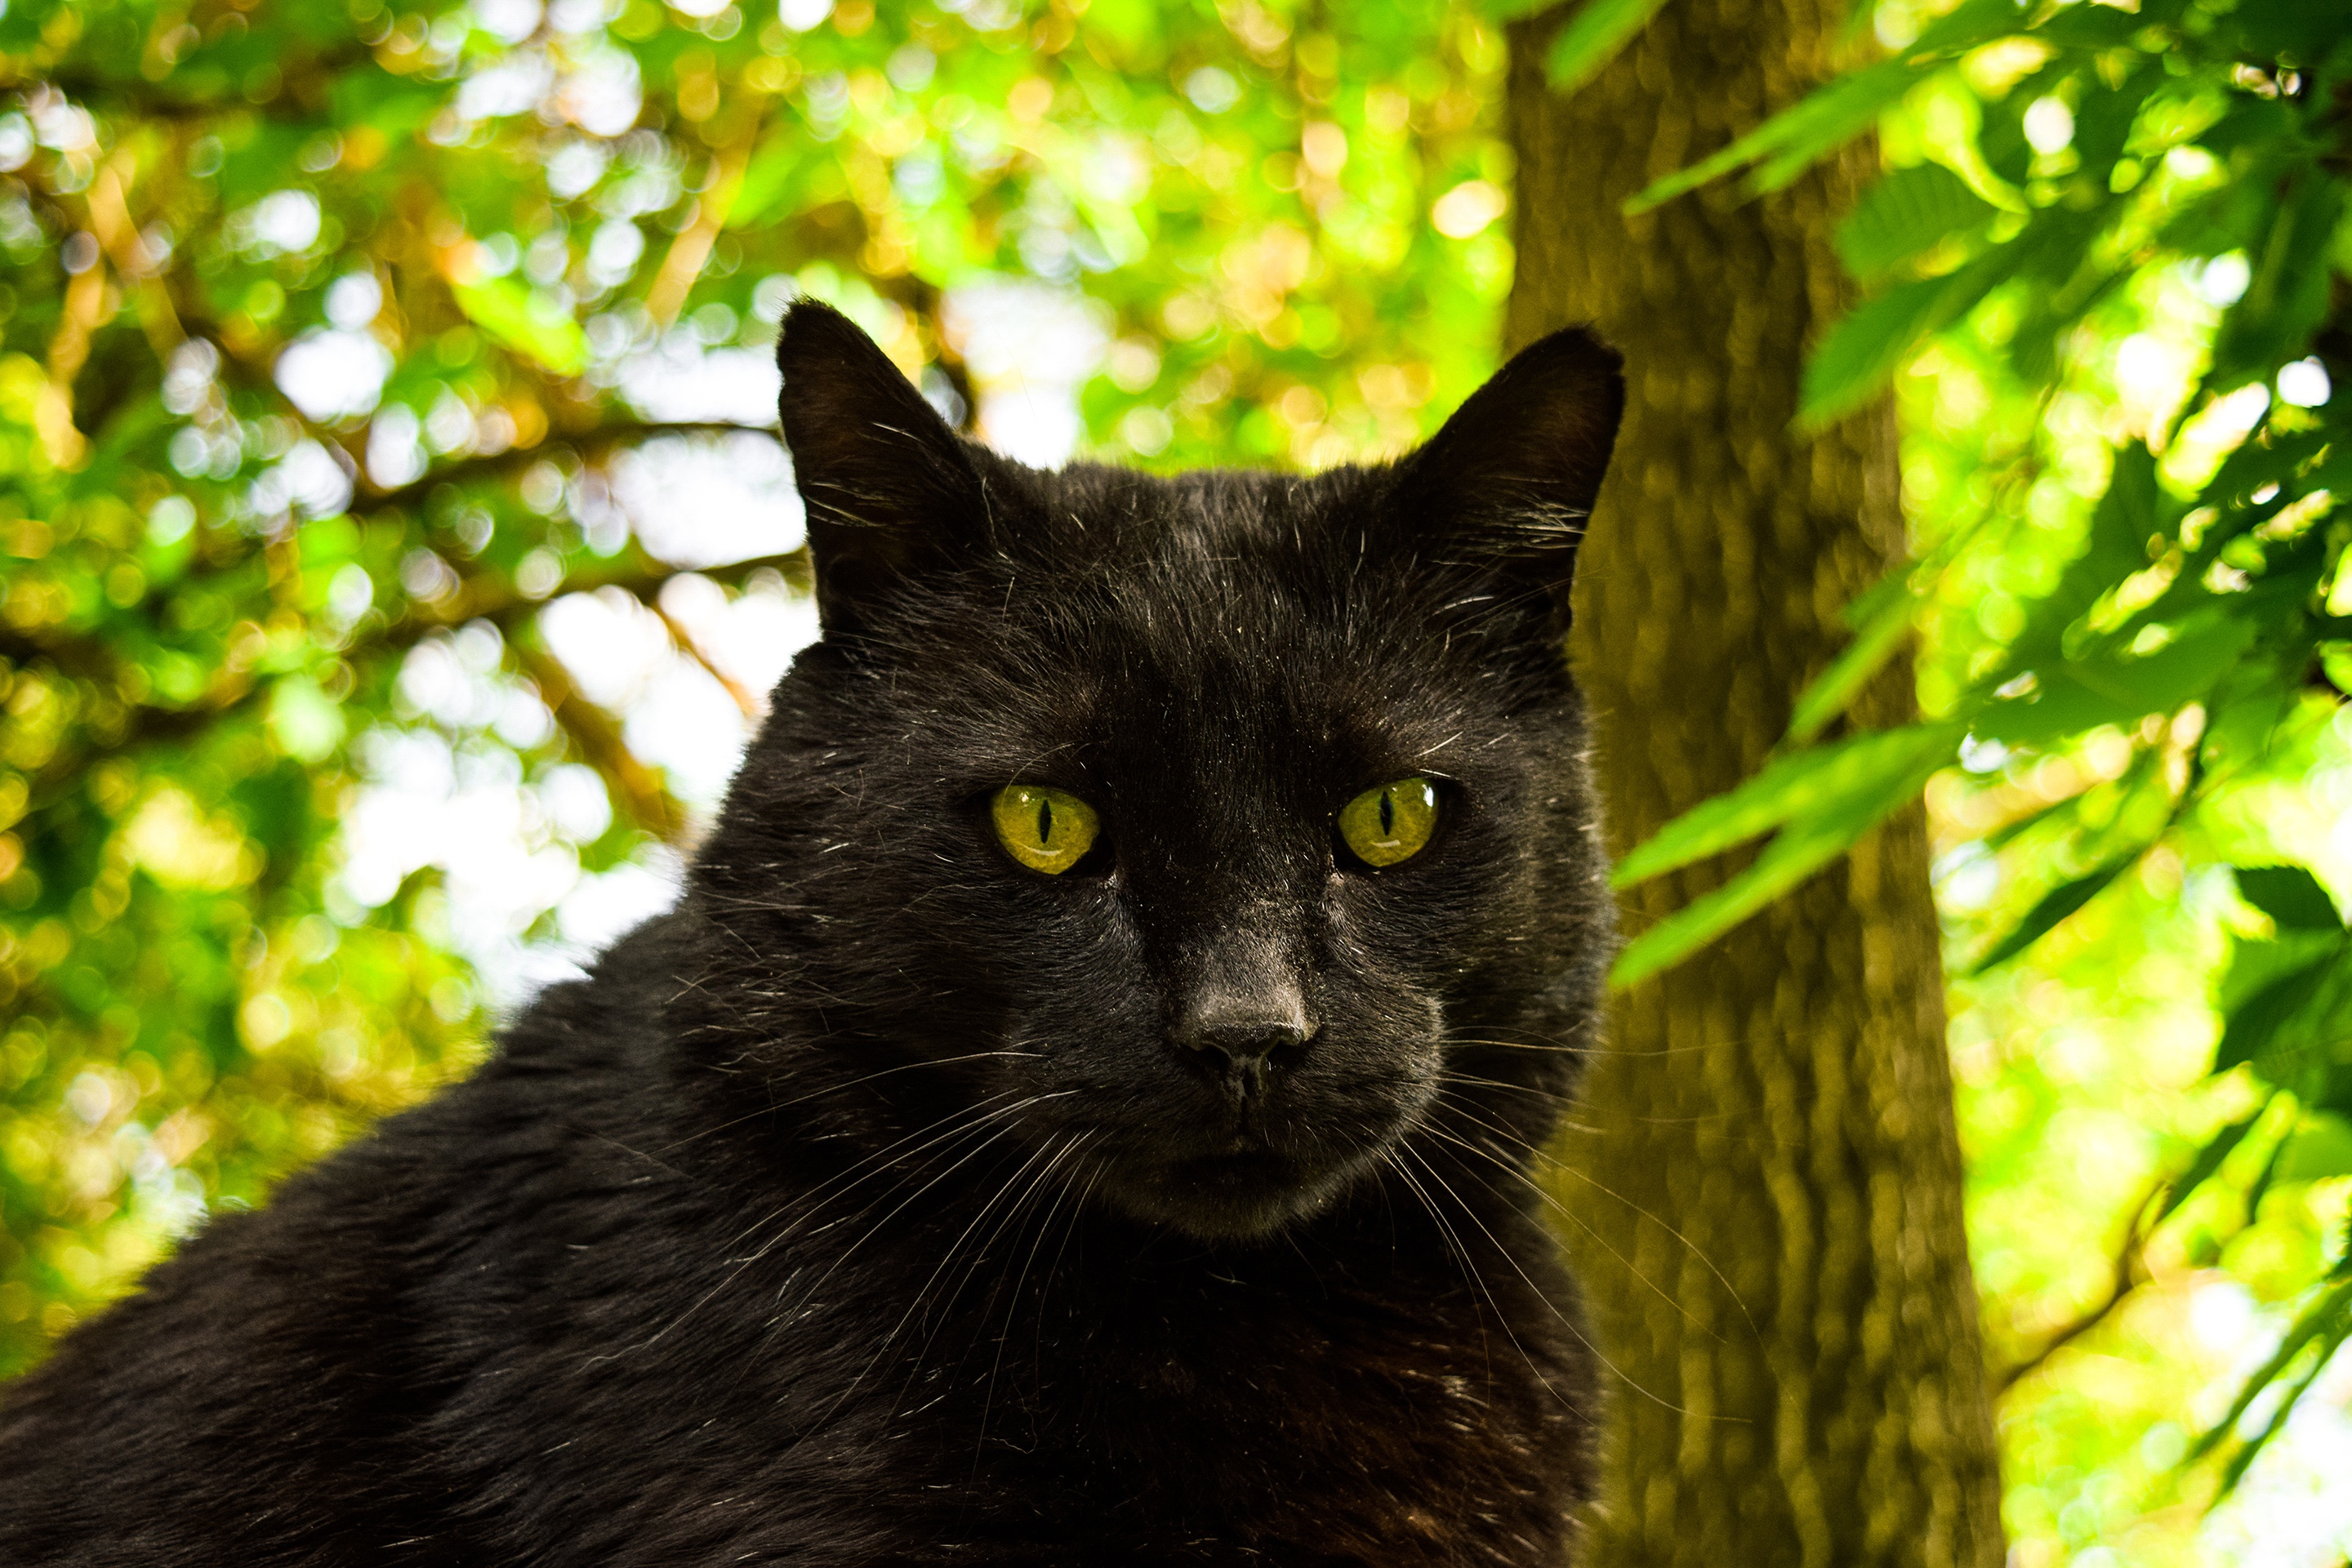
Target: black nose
1246, 1044
1240, 1028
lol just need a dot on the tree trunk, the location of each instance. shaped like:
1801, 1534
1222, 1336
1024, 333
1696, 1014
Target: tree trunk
1770, 1144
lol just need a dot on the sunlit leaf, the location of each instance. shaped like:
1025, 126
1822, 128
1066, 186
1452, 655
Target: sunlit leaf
2115, 688
1881, 619
1839, 783
2322, 1326
1905, 213
527, 322
2053, 908
2290, 895
1596, 30
1803, 134
1860, 799
2218, 1148
1862, 350
2320, 1148
2256, 1024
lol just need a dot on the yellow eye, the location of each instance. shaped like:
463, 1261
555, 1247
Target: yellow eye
1047, 830
1390, 823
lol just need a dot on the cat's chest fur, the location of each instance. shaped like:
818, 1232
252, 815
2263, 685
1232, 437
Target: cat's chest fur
847, 1372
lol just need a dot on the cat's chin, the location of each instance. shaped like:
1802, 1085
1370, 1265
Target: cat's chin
1243, 1196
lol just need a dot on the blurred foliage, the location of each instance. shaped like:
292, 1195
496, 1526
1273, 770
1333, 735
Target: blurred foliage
2109, 270
318, 332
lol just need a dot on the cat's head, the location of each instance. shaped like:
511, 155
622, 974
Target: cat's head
1211, 837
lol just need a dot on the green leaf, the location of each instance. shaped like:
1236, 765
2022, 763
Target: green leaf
1793, 139
1905, 213
530, 323
2251, 1026
2272, 1166
2321, 1148
1798, 851
1833, 114
2290, 895
2324, 1322
2051, 910
1864, 351
1881, 617
2288, 297
2209, 1160
1820, 781
1967, 25
1865, 347
2126, 515
2117, 688
1593, 38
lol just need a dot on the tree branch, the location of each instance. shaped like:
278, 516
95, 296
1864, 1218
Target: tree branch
643, 794
2126, 1275
601, 439
479, 598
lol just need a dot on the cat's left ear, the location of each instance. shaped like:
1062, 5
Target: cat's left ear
889, 488
1510, 480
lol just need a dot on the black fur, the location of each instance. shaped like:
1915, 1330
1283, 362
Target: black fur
869, 1208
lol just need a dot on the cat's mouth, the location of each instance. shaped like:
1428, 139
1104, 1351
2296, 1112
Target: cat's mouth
1229, 1196
1244, 1185
1221, 1166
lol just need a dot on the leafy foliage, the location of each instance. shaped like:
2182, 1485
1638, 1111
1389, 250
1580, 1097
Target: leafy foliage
2171, 632
341, 343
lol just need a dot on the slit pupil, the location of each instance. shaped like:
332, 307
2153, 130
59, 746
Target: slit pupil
1388, 813
1045, 824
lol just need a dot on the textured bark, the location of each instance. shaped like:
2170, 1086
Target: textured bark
1775, 1117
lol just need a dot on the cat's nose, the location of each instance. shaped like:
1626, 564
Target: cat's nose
1242, 1029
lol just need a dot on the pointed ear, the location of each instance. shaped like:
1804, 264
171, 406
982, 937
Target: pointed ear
1509, 482
887, 486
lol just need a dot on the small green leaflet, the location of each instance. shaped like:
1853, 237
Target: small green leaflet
1841, 109
2290, 895
1881, 619
1864, 350
2209, 1160
527, 322
1826, 798
1809, 781
2320, 1148
1788, 142
1593, 38
1905, 213
2116, 547
2288, 298
767, 179
2259, 1022
2112, 688
2326, 1324
2052, 909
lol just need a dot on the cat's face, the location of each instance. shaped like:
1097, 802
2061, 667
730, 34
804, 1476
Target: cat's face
1200, 833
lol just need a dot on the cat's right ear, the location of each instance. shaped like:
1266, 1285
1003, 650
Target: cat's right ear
889, 488
1507, 484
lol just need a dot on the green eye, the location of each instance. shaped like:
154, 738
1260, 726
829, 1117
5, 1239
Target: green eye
1393, 822
1047, 830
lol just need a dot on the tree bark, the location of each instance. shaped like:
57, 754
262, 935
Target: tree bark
1771, 1146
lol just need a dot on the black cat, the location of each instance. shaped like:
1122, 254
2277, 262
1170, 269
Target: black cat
1081, 1112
